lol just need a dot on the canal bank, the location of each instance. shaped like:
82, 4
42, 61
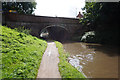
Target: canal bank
94, 60
66, 69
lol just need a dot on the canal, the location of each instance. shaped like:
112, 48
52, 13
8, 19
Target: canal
93, 60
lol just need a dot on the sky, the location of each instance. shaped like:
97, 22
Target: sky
59, 8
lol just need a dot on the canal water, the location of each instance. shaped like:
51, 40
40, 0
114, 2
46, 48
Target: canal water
93, 60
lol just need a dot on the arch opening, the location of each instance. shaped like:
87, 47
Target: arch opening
54, 33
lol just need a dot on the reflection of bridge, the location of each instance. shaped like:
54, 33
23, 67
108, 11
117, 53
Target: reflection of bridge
37, 23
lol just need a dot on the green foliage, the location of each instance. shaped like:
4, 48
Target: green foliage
21, 54
103, 18
66, 69
100, 37
20, 7
91, 15
23, 30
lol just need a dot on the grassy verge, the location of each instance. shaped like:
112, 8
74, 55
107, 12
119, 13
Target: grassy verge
21, 54
66, 69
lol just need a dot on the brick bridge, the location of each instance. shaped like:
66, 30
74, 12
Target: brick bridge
57, 26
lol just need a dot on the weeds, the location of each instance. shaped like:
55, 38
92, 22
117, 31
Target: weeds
23, 30
67, 71
21, 54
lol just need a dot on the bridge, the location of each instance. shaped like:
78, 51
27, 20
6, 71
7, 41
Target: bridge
57, 27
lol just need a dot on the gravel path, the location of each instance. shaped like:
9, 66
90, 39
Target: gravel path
49, 64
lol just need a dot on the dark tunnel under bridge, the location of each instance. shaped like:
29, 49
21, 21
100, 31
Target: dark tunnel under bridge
55, 32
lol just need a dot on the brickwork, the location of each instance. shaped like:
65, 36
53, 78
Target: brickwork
37, 23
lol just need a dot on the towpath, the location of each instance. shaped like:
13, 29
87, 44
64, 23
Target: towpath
49, 64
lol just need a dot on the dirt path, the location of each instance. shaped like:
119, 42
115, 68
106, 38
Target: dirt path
49, 64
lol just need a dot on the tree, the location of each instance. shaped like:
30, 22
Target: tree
100, 13
19, 7
103, 18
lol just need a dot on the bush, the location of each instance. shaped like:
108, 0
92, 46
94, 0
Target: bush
101, 36
23, 30
88, 37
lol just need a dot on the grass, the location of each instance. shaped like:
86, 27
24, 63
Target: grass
21, 54
65, 68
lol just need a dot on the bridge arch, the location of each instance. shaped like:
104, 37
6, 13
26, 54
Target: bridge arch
55, 32
38, 23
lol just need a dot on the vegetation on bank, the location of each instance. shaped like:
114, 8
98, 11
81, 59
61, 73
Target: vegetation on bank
86, 37
21, 54
103, 19
65, 68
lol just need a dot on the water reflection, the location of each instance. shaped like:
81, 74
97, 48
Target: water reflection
81, 59
93, 62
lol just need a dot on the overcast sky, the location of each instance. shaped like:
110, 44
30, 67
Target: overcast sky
59, 8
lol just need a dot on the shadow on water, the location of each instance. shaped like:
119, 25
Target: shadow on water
110, 50
68, 41
94, 60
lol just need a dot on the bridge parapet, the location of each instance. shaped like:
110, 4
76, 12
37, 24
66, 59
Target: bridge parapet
38, 19
37, 23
